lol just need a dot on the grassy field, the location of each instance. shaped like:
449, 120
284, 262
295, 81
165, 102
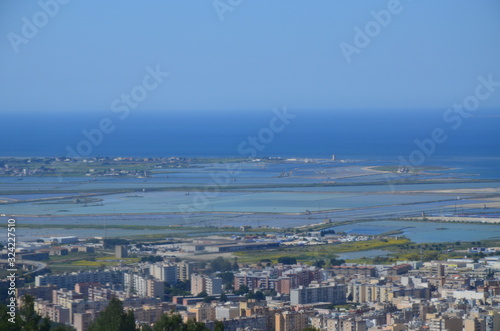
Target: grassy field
84, 261
318, 252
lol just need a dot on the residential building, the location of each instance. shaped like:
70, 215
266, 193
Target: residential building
318, 292
210, 285
164, 272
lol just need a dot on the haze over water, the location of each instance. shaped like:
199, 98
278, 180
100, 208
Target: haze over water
311, 134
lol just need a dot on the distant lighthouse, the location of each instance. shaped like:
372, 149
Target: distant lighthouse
333, 157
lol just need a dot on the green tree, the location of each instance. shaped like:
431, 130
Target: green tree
218, 326
111, 242
335, 261
195, 326
258, 295
113, 318
287, 260
220, 264
28, 314
208, 299
242, 290
63, 328
45, 325
319, 264
181, 288
227, 277
173, 322
26, 318
235, 264
4, 320
202, 294
169, 323
151, 258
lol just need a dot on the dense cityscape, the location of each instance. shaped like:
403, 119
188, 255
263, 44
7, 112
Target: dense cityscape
232, 165
224, 294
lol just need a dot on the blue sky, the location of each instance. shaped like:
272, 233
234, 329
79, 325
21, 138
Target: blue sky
263, 54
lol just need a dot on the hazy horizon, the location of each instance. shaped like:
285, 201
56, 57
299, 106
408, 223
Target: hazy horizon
74, 56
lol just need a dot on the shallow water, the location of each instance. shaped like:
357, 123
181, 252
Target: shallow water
426, 232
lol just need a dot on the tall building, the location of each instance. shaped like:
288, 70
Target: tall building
315, 293
164, 272
263, 280
281, 278
210, 285
184, 270
203, 312
143, 285
361, 293
69, 280
121, 251
83, 320
226, 312
474, 324
56, 313
443, 323
324, 322
147, 314
291, 320
492, 321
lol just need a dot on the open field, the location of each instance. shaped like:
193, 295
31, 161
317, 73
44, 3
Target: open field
318, 252
81, 261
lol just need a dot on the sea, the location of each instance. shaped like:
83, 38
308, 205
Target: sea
469, 145
421, 137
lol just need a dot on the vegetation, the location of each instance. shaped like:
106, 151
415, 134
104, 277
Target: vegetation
313, 252
27, 319
75, 261
242, 290
287, 260
334, 261
220, 264
114, 318
257, 295
227, 279
173, 322
112, 242
180, 288
151, 258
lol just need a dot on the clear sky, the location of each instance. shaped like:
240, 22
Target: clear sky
245, 55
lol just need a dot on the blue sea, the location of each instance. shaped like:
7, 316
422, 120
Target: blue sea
365, 135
